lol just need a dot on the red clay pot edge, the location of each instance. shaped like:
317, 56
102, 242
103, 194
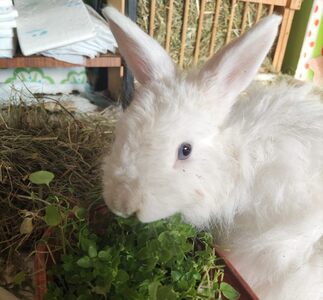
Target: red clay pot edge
40, 268
233, 277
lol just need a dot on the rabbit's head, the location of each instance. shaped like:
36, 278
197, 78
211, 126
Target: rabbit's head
168, 156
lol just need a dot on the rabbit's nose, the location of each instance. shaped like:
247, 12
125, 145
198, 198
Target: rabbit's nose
124, 202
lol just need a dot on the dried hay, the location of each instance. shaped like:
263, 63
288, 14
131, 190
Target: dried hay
160, 24
33, 139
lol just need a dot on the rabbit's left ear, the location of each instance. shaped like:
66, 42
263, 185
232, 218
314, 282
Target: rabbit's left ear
145, 57
233, 68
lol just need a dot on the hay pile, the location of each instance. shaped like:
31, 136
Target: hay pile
33, 139
143, 13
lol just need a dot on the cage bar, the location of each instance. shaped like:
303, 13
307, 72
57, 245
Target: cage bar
152, 17
214, 26
169, 24
232, 12
199, 32
259, 10
184, 31
244, 17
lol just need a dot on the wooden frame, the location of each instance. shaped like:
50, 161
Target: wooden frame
286, 8
38, 61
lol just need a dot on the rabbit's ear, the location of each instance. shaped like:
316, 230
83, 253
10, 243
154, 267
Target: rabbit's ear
144, 56
232, 68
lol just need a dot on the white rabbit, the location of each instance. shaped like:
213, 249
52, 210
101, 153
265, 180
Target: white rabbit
250, 166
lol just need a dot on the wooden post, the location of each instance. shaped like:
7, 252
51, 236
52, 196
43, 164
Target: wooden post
152, 17
233, 6
214, 27
259, 9
244, 18
184, 31
285, 27
199, 32
169, 24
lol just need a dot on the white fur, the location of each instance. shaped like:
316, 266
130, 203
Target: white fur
255, 174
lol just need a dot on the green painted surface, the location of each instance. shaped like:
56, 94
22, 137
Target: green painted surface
296, 37
74, 77
30, 75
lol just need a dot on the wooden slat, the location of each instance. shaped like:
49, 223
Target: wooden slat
258, 14
152, 17
37, 61
169, 24
199, 32
295, 4
184, 31
271, 9
288, 16
233, 6
274, 2
214, 26
244, 17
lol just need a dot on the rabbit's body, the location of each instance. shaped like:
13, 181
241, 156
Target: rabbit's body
249, 165
275, 139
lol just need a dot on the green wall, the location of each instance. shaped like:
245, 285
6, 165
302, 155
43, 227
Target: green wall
296, 37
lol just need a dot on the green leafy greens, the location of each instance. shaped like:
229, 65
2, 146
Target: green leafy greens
164, 260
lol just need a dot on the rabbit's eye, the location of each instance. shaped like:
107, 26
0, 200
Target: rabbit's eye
184, 151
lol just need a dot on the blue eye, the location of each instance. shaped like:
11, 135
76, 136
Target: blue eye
184, 151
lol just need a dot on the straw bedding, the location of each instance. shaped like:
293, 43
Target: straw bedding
32, 139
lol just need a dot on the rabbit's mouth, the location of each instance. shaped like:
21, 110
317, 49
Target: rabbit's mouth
155, 209
120, 213
148, 218
122, 210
